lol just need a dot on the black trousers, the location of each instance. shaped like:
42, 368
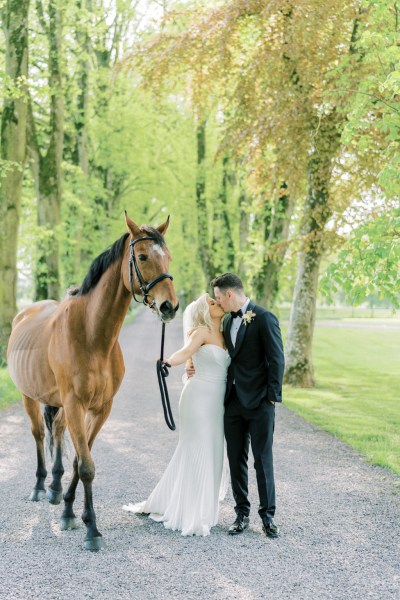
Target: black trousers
243, 426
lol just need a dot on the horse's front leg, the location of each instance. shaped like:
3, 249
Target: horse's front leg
94, 422
55, 420
32, 408
83, 435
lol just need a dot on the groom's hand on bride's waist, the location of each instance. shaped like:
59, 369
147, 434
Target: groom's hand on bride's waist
189, 369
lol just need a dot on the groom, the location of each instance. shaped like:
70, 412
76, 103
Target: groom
254, 384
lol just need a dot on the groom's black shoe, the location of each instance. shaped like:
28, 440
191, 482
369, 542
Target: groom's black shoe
270, 529
240, 524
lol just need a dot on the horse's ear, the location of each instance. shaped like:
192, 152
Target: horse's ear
133, 229
163, 228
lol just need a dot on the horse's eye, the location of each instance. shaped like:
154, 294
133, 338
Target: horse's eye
142, 257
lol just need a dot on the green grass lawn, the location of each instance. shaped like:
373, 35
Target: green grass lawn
357, 397
8, 391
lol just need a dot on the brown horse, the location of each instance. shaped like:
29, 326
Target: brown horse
66, 355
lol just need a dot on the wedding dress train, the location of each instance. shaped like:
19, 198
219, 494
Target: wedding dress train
187, 496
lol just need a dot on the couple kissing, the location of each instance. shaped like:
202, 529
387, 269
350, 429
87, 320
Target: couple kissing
234, 379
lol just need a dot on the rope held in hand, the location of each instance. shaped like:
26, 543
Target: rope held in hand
162, 374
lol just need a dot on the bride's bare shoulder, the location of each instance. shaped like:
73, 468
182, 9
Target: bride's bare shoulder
198, 333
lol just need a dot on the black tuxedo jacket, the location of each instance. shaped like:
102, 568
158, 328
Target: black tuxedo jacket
257, 360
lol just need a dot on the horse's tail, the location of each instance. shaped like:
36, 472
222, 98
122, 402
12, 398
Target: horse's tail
50, 413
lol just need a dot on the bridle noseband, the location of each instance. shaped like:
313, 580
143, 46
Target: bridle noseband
144, 287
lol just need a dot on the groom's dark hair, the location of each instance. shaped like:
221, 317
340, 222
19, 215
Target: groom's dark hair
227, 281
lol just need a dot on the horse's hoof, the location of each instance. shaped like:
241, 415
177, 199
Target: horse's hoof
37, 495
68, 523
94, 544
54, 497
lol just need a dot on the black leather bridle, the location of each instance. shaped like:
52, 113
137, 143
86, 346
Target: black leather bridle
143, 285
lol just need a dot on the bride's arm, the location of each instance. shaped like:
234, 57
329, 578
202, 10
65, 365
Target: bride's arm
194, 342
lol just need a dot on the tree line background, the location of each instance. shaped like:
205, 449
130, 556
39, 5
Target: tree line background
269, 130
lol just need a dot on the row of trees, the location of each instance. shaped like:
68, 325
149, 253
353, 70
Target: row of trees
268, 130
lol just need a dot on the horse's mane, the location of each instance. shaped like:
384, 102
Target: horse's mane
109, 256
100, 266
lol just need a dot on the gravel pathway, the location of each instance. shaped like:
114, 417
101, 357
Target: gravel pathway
339, 516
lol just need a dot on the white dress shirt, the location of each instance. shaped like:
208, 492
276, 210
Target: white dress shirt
237, 321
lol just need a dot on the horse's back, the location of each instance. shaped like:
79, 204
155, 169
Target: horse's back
27, 353
37, 311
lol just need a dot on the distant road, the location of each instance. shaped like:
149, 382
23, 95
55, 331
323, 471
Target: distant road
357, 324
361, 324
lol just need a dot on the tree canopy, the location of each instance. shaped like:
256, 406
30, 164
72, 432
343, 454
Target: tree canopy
268, 130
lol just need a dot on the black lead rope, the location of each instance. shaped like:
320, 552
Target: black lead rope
162, 374
162, 369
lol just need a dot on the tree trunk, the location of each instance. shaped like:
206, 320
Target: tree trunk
202, 216
50, 174
12, 157
82, 37
327, 135
276, 233
75, 253
244, 227
299, 367
227, 232
223, 249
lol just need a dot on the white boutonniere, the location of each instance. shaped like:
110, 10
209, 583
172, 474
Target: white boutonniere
248, 316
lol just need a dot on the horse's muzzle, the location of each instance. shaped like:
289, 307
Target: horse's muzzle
167, 311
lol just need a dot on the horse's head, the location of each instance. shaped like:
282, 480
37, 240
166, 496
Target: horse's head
146, 273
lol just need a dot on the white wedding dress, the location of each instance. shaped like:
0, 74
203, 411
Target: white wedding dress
187, 496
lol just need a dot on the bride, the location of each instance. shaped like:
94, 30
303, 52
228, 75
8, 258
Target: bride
187, 496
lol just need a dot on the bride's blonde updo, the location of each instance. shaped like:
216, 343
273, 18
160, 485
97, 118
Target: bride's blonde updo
200, 314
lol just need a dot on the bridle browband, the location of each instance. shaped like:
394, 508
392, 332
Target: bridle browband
144, 287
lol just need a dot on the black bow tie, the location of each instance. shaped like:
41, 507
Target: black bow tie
237, 314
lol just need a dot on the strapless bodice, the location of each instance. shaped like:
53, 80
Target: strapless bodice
211, 363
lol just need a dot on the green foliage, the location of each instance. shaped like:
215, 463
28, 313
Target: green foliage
144, 164
369, 263
13, 89
263, 117
7, 166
